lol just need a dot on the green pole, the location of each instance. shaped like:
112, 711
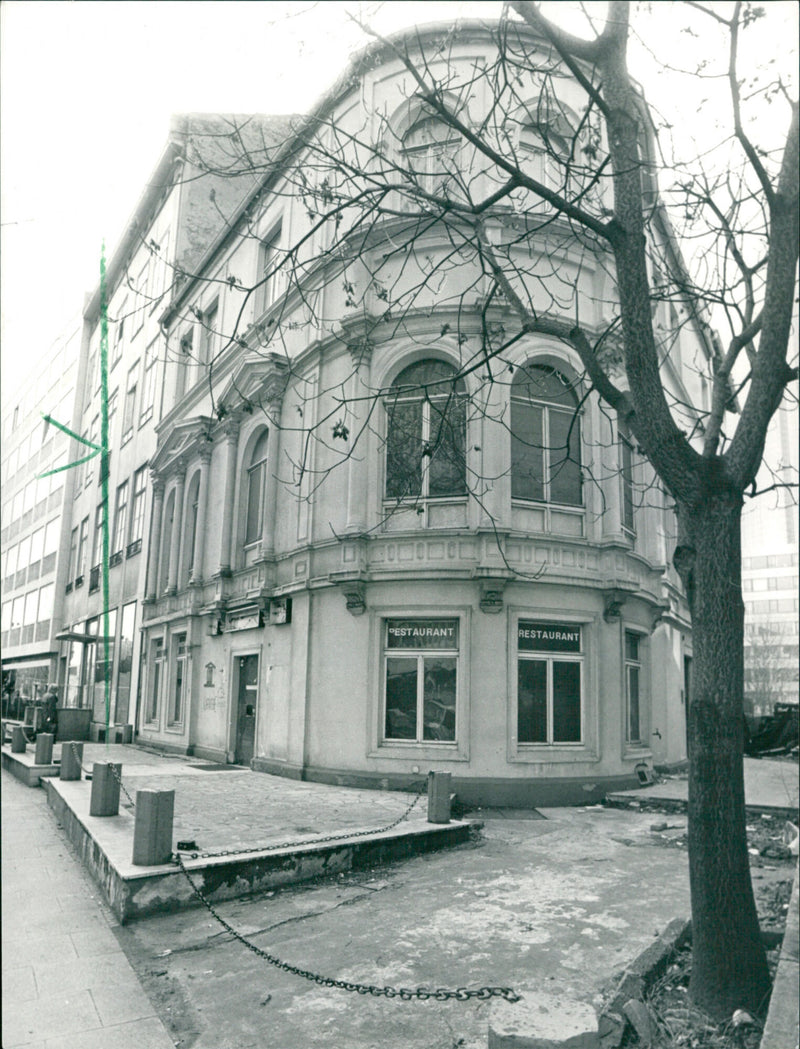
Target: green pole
104, 479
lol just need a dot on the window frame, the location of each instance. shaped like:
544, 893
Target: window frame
178, 680
452, 399
546, 453
156, 654
268, 253
380, 746
120, 518
639, 665
561, 752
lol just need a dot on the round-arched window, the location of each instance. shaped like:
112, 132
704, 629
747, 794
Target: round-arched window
426, 433
256, 483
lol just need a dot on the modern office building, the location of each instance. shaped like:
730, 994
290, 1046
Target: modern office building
770, 574
36, 504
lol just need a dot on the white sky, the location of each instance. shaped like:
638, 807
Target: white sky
87, 93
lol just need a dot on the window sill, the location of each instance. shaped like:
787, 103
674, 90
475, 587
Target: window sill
145, 416
552, 753
406, 750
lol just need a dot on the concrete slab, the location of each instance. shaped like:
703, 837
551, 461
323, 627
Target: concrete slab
23, 767
782, 1028
770, 786
240, 811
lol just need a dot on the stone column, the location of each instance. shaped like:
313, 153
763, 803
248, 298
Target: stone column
175, 538
231, 442
155, 538
202, 508
358, 463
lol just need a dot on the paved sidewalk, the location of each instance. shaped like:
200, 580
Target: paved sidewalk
66, 981
769, 786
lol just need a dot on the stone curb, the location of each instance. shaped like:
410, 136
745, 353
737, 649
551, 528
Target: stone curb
135, 892
782, 1028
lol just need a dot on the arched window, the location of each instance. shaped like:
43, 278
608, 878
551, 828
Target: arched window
166, 540
256, 483
430, 148
545, 437
190, 537
545, 143
426, 433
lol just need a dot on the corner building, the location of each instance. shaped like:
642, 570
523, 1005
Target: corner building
376, 549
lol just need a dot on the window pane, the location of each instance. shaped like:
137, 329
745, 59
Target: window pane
566, 702
404, 450
439, 694
627, 486
631, 646
253, 528
447, 438
527, 476
401, 698
531, 701
634, 732
564, 455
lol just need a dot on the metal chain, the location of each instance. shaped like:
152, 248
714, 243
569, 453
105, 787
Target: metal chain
114, 773
309, 841
118, 778
25, 736
406, 994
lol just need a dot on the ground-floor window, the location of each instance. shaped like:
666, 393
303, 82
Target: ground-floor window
633, 675
179, 681
156, 670
549, 682
421, 679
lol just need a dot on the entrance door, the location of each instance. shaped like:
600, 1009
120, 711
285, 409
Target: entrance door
246, 709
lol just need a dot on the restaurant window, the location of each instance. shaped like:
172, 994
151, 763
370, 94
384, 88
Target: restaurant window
426, 433
421, 680
549, 682
545, 437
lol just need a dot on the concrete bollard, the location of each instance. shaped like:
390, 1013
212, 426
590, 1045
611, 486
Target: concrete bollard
105, 789
438, 797
71, 761
18, 742
44, 749
152, 831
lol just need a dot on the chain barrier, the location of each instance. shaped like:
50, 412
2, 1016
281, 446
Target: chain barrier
26, 737
406, 994
118, 778
114, 773
308, 841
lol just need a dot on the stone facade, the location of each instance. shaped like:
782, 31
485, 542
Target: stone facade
332, 596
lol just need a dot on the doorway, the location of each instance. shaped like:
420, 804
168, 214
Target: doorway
247, 699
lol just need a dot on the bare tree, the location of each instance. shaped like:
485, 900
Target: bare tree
581, 180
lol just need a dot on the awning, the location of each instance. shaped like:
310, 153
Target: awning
82, 639
23, 664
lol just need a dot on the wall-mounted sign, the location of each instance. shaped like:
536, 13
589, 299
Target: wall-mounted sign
280, 611
422, 633
244, 620
548, 637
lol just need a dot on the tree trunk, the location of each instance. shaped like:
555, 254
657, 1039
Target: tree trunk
729, 968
